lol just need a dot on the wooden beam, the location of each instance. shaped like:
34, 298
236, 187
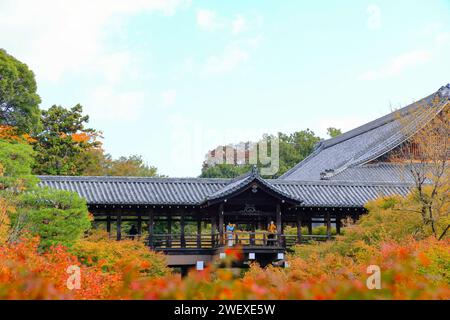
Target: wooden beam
119, 225
169, 230
279, 225
328, 224
139, 225
299, 229
151, 222
221, 224
182, 225
199, 234
252, 236
338, 224
108, 225
213, 230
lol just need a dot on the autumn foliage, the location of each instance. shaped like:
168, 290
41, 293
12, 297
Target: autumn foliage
25, 273
413, 270
114, 256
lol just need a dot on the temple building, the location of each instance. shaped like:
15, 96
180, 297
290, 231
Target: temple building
186, 218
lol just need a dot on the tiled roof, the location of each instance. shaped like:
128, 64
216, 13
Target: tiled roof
194, 191
134, 190
242, 182
340, 194
336, 174
376, 172
370, 141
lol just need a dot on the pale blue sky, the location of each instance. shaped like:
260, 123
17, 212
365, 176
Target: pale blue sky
171, 79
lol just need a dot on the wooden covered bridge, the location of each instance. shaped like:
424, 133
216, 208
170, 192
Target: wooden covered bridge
185, 218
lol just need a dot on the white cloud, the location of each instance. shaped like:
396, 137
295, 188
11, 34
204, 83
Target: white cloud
169, 97
55, 37
442, 39
374, 17
235, 54
210, 21
116, 66
345, 123
398, 65
106, 103
239, 24
59, 39
227, 61
207, 19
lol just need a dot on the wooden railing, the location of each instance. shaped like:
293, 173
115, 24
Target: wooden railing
170, 241
242, 238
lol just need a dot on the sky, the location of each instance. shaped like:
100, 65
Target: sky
172, 79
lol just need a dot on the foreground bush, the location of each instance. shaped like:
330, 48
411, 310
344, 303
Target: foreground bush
56, 216
114, 255
25, 273
416, 270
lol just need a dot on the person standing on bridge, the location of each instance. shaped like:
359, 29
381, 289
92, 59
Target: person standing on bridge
230, 233
133, 232
272, 228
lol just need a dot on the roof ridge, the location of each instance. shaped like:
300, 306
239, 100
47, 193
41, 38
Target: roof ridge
132, 178
358, 158
377, 122
341, 183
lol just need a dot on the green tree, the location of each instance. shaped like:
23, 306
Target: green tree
19, 102
57, 216
62, 145
16, 160
100, 164
129, 166
224, 171
293, 148
333, 132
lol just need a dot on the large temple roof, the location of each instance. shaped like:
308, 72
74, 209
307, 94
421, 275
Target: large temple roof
195, 191
336, 174
366, 143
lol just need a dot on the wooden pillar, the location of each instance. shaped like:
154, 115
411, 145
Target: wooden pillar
139, 225
182, 238
252, 237
279, 225
221, 224
338, 224
213, 231
199, 233
169, 230
328, 223
310, 232
299, 229
119, 225
108, 225
151, 220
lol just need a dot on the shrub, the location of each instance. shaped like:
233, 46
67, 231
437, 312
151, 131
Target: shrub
56, 216
4, 222
16, 160
114, 255
26, 273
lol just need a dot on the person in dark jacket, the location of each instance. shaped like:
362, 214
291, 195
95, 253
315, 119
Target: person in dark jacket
133, 232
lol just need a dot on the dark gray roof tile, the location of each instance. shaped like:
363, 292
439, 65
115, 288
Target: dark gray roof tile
194, 191
370, 141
